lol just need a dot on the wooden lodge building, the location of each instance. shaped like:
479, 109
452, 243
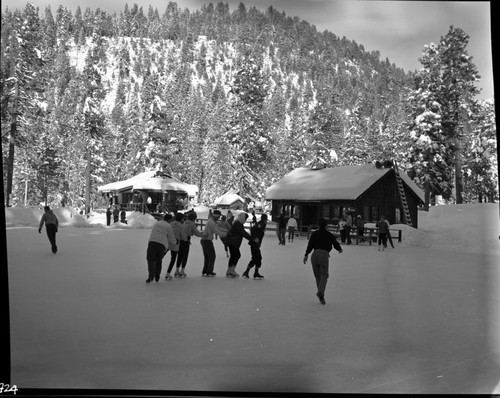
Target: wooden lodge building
369, 190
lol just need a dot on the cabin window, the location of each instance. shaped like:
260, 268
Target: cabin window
325, 211
366, 213
398, 215
374, 215
336, 211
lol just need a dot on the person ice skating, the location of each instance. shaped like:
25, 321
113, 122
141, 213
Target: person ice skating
257, 234
51, 226
116, 214
342, 223
281, 229
224, 224
383, 230
123, 216
176, 225
207, 244
360, 227
162, 235
291, 226
188, 229
234, 238
321, 241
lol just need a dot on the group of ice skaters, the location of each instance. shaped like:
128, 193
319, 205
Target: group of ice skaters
174, 232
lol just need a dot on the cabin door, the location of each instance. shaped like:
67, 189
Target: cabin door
310, 214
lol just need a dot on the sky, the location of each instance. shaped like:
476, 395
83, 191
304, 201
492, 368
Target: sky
399, 30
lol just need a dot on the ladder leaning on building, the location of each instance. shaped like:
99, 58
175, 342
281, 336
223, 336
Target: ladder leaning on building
402, 195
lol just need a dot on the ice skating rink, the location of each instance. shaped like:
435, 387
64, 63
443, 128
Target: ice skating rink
416, 319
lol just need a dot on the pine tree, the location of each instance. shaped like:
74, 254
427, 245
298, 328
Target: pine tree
24, 61
480, 157
448, 77
247, 134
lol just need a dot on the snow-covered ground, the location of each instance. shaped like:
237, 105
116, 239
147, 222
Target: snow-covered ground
421, 318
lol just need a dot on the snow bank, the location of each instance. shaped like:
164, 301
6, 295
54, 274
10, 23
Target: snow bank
473, 228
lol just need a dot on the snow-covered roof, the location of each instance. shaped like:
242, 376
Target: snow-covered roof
149, 180
228, 199
346, 182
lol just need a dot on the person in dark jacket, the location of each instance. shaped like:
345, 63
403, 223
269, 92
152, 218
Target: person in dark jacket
109, 213
51, 226
360, 227
281, 228
383, 230
234, 238
322, 242
123, 216
257, 234
116, 214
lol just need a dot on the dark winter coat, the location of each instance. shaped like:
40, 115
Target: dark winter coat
236, 234
257, 231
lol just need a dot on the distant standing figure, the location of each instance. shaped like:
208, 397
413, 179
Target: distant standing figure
360, 227
342, 229
389, 237
291, 225
123, 216
162, 235
109, 213
348, 226
383, 230
230, 217
51, 226
207, 244
116, 214
257, 234
281, 229
321, 241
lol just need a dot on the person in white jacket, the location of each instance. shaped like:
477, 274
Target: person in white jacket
162, 236
291, 226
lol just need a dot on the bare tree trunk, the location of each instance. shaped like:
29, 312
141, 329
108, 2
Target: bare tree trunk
427, 195
458, 173
87, 183
12, 140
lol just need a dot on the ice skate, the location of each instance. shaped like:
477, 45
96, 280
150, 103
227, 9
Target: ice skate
321, 298
231, 272
245, 275
182, 274
168, 276
257, 276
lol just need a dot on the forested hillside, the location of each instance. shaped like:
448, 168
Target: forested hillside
216, 97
